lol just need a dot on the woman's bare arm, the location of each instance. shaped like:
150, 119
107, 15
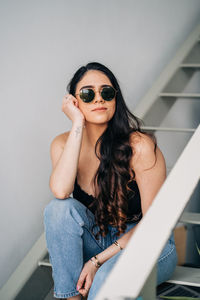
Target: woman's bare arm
65, 156
65, 162
150, 170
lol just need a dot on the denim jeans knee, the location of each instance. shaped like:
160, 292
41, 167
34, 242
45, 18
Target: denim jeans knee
167, 261
64, 212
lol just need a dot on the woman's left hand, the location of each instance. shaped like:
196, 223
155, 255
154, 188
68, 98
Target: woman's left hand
86, 278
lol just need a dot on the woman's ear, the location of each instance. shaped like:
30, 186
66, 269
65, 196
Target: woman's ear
76, 103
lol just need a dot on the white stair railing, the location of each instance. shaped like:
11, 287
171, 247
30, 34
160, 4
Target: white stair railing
129, 275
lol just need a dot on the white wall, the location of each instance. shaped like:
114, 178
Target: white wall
42, 44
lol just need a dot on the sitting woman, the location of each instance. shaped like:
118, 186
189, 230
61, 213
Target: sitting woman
114, 170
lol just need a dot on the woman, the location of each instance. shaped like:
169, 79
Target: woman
114, 170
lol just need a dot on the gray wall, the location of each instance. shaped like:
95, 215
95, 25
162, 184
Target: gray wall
42, 44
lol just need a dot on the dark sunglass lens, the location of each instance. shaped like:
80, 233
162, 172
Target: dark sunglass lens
87, 95
108, 93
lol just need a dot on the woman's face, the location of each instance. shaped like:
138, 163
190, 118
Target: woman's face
95, 79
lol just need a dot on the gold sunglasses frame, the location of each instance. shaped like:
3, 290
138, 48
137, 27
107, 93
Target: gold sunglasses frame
99, 91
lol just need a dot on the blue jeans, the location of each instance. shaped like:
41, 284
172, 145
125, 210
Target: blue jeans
70, 244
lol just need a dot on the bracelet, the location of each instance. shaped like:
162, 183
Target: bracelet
96, 262
117, 244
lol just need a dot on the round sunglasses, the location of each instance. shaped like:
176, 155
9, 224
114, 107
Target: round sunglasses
108, 93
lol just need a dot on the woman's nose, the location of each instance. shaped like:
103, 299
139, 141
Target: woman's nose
98, 97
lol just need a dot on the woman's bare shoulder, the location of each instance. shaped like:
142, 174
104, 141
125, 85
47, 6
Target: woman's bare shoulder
60, 140
143, 148
57, 147
141, 141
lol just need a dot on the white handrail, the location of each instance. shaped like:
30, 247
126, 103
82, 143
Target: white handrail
132, 269
24, 270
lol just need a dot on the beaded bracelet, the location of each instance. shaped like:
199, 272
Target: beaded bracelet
117, 244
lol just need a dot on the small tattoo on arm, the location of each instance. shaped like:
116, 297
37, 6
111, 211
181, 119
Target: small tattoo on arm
78, 130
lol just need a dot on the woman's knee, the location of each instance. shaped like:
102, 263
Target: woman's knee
57, 209
64, 215
166, 263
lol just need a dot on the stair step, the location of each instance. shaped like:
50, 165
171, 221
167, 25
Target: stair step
190, 218
152, 128
186, 276
190, 65
44, 262
180, 95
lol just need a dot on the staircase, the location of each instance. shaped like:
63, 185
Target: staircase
177, 91
158, 109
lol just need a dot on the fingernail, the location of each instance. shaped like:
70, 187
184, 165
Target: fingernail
78, 287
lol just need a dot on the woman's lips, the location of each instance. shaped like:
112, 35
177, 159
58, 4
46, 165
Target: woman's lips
99, 109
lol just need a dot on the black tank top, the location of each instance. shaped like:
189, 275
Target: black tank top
134, 213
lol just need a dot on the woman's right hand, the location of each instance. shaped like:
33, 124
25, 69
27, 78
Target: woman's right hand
71, 109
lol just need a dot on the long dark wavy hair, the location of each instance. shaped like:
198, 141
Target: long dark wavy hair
114, 171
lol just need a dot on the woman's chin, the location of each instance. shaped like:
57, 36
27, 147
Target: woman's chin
98, 120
